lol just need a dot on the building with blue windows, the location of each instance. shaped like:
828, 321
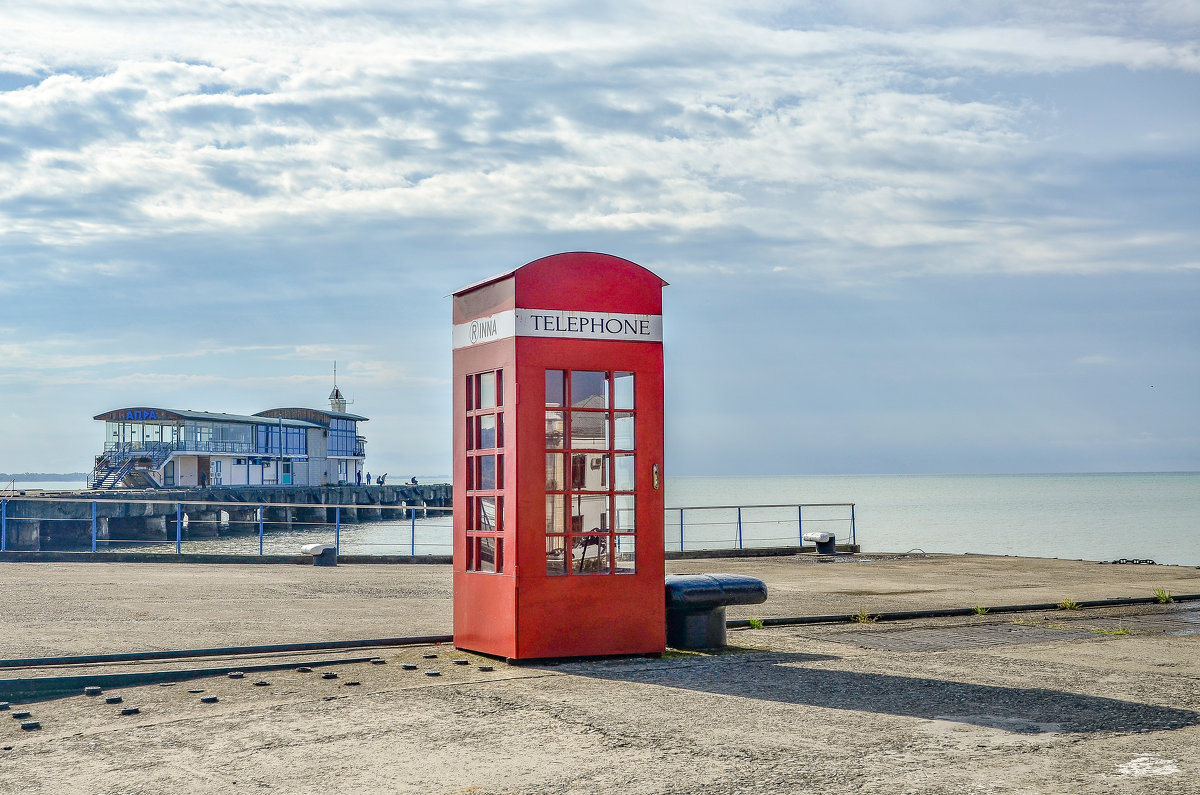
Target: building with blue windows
147, 447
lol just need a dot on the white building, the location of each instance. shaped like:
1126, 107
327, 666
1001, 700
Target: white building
147, 447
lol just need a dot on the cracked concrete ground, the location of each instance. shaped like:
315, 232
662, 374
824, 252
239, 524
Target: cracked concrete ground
1096, 701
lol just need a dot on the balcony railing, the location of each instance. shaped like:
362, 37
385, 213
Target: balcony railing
193, 446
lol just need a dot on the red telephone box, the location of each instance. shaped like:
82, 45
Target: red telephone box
558, 449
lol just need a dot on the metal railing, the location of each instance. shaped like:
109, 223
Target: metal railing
231, 528
697, 527
239, 528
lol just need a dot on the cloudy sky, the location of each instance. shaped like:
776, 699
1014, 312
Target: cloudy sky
901, 236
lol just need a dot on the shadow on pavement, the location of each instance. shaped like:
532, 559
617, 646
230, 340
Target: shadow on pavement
784, 678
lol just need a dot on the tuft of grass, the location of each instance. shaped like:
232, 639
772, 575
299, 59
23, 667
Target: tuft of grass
980, 610
862, 617
1117, 631
755, 623
1163, 596
1068, 604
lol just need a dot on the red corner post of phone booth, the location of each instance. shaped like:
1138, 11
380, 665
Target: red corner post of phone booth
558, 449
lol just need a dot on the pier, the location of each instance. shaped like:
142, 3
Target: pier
72, 520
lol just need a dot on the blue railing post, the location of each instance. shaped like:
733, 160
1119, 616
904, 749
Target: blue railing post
3, 525
337, 530
680, 529
739, 527
852, 534
178, 528
93, 526
412, 538
800, 524
261, 511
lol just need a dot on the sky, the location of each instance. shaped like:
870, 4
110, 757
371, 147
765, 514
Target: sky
901, 236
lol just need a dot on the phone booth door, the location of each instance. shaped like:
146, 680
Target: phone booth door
602, 553
575, 551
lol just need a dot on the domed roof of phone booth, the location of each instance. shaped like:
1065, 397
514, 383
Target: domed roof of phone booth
582, 280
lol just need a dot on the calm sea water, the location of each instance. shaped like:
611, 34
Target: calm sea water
1086, 516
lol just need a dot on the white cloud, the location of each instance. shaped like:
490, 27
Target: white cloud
229, 118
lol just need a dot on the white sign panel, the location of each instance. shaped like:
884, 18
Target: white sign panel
561, 324
501, 325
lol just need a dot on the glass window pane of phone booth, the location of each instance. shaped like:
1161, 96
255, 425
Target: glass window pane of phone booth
485, 472
625, 555
589, 389
623, 391
588, 476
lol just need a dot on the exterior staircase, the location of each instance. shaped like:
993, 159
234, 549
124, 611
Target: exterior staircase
127, 463
108, 475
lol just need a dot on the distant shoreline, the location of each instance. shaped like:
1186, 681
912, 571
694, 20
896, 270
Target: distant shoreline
42, 477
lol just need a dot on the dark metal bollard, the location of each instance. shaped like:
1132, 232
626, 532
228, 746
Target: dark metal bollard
323, 554
696, 606
826, 542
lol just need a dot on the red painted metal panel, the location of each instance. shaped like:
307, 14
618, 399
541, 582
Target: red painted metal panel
589, 282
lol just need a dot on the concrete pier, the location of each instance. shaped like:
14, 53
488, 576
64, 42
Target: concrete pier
202, 524
63, 520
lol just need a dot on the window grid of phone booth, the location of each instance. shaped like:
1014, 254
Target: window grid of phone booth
485, 472
590, 454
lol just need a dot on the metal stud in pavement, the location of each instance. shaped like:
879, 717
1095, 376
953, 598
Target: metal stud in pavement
208, 699
30, 725
113, 700
130, 711
93, 690
261, 683
486, 668
196, 690
379, 661
351, 684
21, 714
236, 674
433, 673
408, 666
304, 669
330, 675
462, 661
3, 705
430, 656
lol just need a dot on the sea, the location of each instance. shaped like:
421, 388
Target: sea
1107, 516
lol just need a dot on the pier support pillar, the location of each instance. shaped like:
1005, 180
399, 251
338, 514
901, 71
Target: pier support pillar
349, 514
155, 527
279, 517
203, 524
243, 520
24, 534
315, 515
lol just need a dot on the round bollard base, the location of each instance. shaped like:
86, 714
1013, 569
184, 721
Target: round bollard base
696, 630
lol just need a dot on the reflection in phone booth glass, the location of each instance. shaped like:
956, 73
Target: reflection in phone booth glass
558, 440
